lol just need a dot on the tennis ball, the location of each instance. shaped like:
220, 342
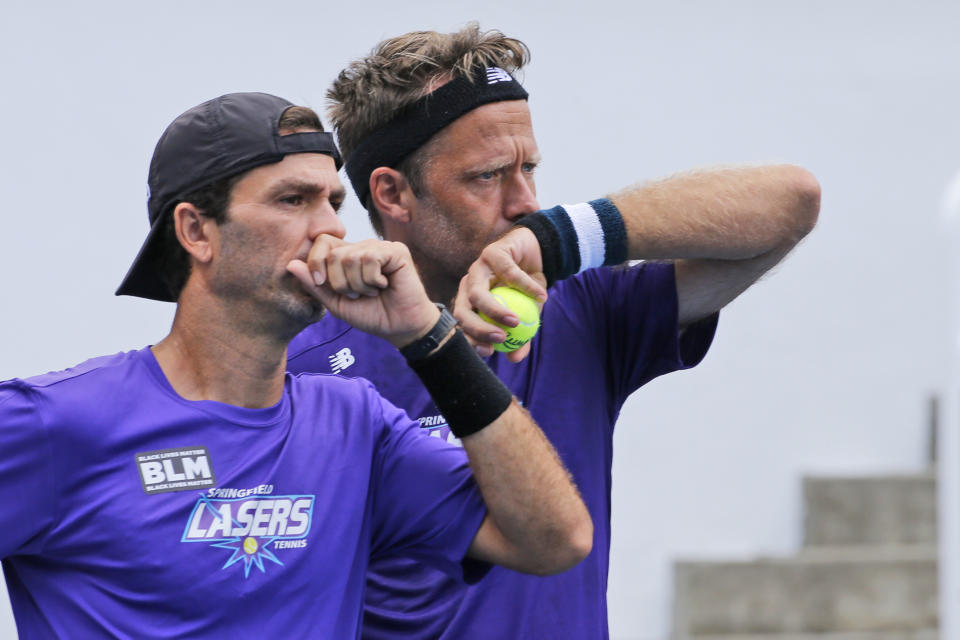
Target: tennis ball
527, 312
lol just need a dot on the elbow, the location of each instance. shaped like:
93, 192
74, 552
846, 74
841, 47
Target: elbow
570, 547
806, 201
581, 542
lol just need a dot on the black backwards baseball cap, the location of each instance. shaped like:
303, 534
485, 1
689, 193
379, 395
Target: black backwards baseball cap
212, 141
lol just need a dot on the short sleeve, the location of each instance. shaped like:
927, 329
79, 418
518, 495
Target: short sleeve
26, 474
631, 313
426, 504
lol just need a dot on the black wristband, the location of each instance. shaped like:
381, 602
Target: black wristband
575, 237
468, 394
549, 240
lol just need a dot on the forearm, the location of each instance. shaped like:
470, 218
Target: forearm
725, 214
537, 520
735, 214
724, 229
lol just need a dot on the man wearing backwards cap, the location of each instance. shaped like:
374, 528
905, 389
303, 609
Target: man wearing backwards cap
193, 489
439, 147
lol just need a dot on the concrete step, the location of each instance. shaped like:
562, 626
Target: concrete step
889, 509
922, 634
822, 589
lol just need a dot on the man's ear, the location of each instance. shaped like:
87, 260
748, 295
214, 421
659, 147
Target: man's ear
391, 193
196, 232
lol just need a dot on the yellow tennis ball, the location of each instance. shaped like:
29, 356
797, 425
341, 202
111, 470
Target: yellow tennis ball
250, 545
527, 313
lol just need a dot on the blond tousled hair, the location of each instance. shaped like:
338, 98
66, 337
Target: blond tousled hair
398, 71
370, 91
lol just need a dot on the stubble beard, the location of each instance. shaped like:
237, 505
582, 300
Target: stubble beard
444, 250
276, 303
298, 305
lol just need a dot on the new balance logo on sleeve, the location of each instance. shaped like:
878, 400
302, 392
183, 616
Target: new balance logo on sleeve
341, 360
496, 74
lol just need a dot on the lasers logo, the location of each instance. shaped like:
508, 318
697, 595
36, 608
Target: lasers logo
175, 469
250, 527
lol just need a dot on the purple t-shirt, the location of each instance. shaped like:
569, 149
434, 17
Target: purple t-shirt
131, 512
604, 333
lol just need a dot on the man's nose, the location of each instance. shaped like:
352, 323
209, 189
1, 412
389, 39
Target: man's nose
520, 196
324, 219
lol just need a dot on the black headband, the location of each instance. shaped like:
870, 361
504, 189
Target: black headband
415, 124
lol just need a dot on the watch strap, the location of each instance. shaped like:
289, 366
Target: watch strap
421, 348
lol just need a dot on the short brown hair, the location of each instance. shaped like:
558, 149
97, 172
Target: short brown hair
370, 91
297, 119
213, 201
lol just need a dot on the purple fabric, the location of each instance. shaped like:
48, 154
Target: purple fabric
130, 512
605, 333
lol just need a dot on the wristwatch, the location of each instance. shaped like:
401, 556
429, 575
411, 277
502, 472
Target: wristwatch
420, 348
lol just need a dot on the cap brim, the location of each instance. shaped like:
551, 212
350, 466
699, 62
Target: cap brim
143, 279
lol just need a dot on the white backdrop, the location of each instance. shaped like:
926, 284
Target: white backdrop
824, 366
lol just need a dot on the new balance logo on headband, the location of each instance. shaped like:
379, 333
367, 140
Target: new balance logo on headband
496, 74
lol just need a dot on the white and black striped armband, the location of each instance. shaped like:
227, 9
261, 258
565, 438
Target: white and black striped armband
576, 237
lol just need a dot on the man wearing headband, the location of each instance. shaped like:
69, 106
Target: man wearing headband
192, 489
439, 146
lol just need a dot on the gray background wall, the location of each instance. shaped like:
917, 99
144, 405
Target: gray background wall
824, 366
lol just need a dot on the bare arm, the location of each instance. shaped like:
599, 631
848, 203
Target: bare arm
536, 520
723, 228
543, 531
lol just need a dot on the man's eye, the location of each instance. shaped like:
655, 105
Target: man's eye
292, 200
529, 167
487, 175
